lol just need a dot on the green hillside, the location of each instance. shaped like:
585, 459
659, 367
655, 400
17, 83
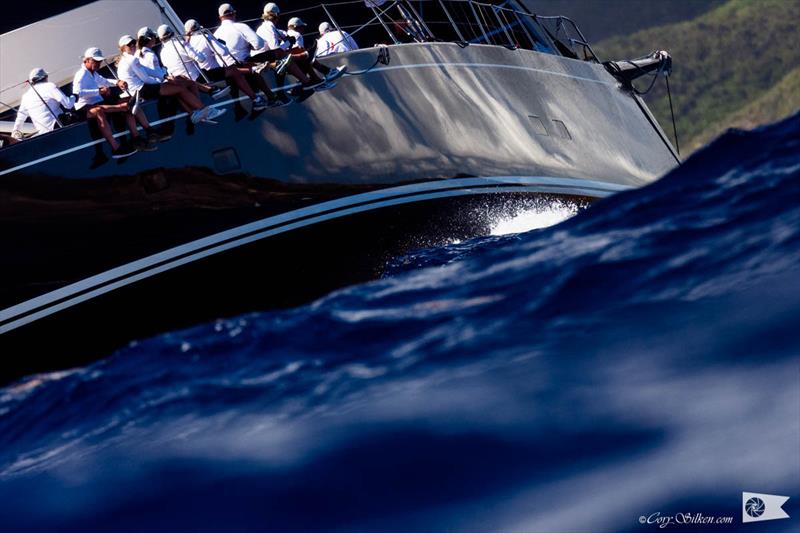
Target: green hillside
726, 63
780, 101
602, 19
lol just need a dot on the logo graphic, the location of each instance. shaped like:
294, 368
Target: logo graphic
759, 507
754, 507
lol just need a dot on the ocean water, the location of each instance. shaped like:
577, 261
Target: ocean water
574, 371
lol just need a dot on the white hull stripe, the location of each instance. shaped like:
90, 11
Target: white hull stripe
293, 85
47, 304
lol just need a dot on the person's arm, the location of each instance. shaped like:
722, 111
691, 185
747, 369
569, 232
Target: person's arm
65, 102
222, 51
196, 55
256, 42
146, 74
22, 116
105, 82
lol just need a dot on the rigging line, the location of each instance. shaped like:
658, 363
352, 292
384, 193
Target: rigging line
60, 125
672, 112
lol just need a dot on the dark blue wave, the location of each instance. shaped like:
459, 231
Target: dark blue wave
641, 357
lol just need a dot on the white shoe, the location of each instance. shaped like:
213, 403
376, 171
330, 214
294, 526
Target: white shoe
215, 113
200, 115
283, 64
259, 104
335, 74
221, 93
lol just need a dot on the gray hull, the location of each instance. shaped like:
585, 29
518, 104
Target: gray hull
436, 111
390, 159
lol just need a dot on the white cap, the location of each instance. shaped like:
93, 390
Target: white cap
165, 32
272, 7
125, 39
93, 53
296, 22
36, 75
225, 9
191, 25
145, 31
325, 27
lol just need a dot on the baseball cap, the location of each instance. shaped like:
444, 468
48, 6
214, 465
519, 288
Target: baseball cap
225, 9
296, 22
324, 27
125, 40
93, 53
165, 32
271, 8
191, 25
145, 31
37, 74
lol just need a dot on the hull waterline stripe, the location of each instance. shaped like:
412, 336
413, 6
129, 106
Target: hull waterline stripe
55, 301
290, 86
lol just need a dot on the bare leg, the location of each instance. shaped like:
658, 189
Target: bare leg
237, 77
295, 71
183, 94
102, 123
142, 119
260, 83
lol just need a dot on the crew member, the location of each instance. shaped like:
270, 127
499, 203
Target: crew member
41, 103
146, 82
332, 41
294, 26
242, 41
182, 61
218, 64
278, 46
331, 75
239, 38
96, 100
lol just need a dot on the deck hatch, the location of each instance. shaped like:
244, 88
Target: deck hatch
538, 126
562, 130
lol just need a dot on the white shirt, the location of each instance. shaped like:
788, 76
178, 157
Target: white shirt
298, 38
214, 57
239, 38
32, 106
86, 86
135, 74
273, 36
335, 42
181, 59
149, 59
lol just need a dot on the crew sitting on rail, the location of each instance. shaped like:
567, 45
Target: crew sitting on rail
146, 83
182, 62
241, 40
332, 41
146, 39
238, 37
294, 27
96, 100
218, 65
278, 45
41, 103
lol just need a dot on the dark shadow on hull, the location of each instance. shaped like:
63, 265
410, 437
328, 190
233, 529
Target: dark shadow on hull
276, 272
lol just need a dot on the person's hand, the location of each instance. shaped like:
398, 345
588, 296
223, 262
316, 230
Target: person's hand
104, 91
122, 84
17, 135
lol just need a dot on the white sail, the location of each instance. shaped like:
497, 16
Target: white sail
57, 43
